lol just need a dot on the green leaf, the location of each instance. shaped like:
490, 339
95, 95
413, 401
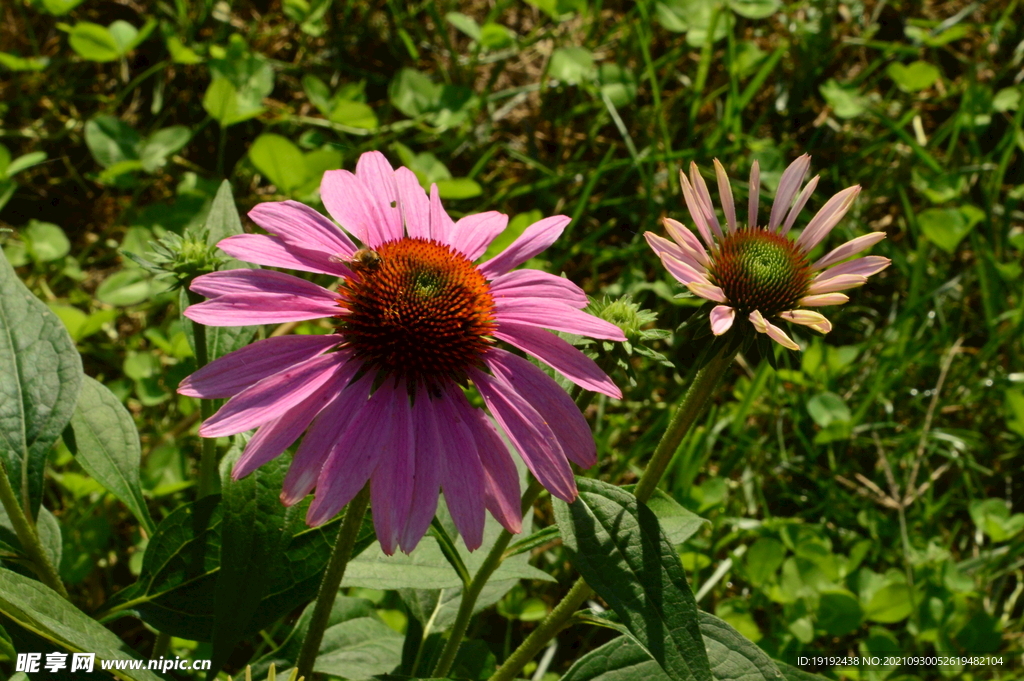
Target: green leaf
227, 105
459, 188
1007, 99
40, 375
913, 77
127, 287
889, 604
678, 523
828, 408
839, 612
17, 63
59, 7
791, 673
106, 444
464, 23
353, 114
946, 227
618, 547
49, 535
46, 241
732, 656
496, 37
755, 9
846, 102
318, 93
414, 93
764, 557
24, 162
43, 612
111, 140
94, 42
161, 144
572, 65
280, 160
620, 659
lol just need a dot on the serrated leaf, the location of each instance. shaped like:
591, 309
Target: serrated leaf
40, 376
106, 445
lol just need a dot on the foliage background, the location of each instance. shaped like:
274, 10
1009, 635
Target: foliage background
862, 496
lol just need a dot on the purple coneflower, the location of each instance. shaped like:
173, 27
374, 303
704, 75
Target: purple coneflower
382, 397
757, 272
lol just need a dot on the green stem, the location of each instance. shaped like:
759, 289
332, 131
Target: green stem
161, 645
332, 581
690, 409
472, 592
27, 535
208, 458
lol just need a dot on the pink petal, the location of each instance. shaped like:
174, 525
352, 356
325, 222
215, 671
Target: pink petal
271, 251
349, 202
441, 226
273, 396
708, 291
722, 317
275, 436
391, 484
529, 434
474, 233
537, 284
427, 480
704, 197
353, 458
378, 177
241, 309
725, 194
298, 225
501, 479
687, 241
228, 282
827, 218
683, 272
462, 475
554, 315
234, 372
693, 204
663, 246
775, 333
815, 320
323, 437
839, 282
552, 403
851, 247
866, 266
792, 177
823, 299
414, 204
532, 241
755, 194
559, 355
801, 201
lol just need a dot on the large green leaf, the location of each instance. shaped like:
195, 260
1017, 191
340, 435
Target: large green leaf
43, 612
618, 547
40, 375
105, 442
111, 140
280, 160
620, 659
734, 657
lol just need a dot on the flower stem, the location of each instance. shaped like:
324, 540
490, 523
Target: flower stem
472, 592
332, 581
27, 535
690, 409
208, 458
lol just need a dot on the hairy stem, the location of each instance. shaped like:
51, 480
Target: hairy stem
28, 536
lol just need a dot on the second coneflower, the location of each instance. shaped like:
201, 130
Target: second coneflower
757, 273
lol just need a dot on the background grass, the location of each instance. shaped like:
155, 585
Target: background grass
862, 496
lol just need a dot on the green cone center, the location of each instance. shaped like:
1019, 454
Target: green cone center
761, 270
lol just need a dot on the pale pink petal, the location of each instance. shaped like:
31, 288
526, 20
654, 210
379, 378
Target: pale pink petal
687, 241
801, 201
378, 177
534, 239
462, 475
391, 483
725, 194
693, 204
683, 272
851, 247
554, 315
663, 246
350, 202
441, 225
529, 434
296, 224
427, 481
708, 291
241, 309
228, 282
755, 195
474, 233
552, 403
866, 266
273, 396
722, 317
559, 355
827, 218
414, 204
704, 198
775, 333
275, 436
815, 320
271, 251
837, 283
501, 479
824, 299
789, 185
229, 375
353, 458
537, 284
323, 437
